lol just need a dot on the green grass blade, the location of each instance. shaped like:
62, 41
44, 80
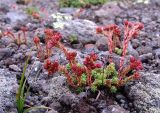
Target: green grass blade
27, 93
20, 95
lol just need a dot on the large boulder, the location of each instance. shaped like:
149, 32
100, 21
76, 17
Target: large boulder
84, 30
8, 87
108, 12
145, 93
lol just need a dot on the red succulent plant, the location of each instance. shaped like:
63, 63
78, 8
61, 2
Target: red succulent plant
110, 32
51, 67
78, 70
135, 64
136, 76
74, 72
89, 61
131, 30
17, 38
70, 56
36, 40
53, 42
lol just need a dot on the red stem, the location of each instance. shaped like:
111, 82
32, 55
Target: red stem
24, 36
89, 77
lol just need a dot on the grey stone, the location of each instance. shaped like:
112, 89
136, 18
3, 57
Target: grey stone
130, 104
23, 47
144, 50
102, 44
82, 95
145, 93
4, 8
15, 16
85, 30
155, 44
120, 96
146, 19
51, 111
135, 43
87, 13
157, 53
102, 104
68, 99
30, 53
68, 10
122, 101
36, 68
90, 48
108, 10
157, 2
18, 56
114, 109
8, 87
55, 105
5, 41
146, 57
58, 87
5, 52
132, 51
1, 110
14, 68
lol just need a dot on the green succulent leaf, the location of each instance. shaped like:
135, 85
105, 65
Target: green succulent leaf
114, 80
83, 78
79, 90
93, 88
118, 51
110, 69
98, 82
113, 89
68, 66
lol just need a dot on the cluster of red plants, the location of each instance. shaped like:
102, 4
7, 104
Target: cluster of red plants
20, 38
52, 38
112, 33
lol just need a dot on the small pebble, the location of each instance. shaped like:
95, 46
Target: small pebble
14, 68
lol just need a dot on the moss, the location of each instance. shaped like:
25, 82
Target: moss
73, 39
31, 10
80, 3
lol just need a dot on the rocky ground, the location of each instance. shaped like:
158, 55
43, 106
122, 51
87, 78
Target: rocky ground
142, 96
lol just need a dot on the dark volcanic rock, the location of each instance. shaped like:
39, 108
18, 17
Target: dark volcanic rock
146, 57
144, 50
102, 44
157, 53
5, 52
4, 8
145, 93
84, 30
8, 87
114, 109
